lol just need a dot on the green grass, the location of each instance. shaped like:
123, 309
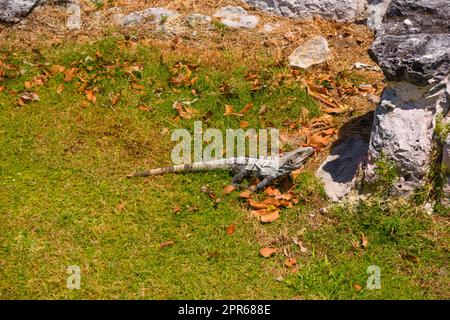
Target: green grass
62, 169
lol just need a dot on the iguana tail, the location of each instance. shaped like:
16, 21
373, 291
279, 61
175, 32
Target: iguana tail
196, 166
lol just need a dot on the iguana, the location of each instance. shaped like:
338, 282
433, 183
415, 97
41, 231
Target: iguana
266, 169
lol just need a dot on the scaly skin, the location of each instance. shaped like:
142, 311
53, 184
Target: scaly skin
267, 169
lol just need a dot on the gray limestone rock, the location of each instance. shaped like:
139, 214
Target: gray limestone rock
366, 11
236, 17
413, 50
12, 11
313, 51
153, 15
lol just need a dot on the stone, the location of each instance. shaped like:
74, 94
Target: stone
269, 27
236, 17
74, 20
415, 59
197, 19
338, 10
154, 15
375, 12
416, 53
370, 12
12, 11
313, 51
338, 172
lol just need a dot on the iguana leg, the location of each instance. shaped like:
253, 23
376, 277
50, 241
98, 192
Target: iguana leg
267, 180
237, 179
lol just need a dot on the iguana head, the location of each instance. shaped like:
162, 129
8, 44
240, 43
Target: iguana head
293, 160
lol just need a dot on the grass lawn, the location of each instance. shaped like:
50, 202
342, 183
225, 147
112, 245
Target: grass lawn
105, 110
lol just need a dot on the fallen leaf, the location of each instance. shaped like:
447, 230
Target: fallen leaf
144, 108
290, 262
257, 205
166, 244
60, 88
247, 107
364, 241
357, 287
270, 216
57, 69
229, 189
138, 86
271, 202
29, 97
69, 74
263, 110
268, 252
231, 229
176, 209
229, 109
334, 110
302, 248
355, 244
243, 124
318, 140
272, 191
245, 194
90, 95
114, 98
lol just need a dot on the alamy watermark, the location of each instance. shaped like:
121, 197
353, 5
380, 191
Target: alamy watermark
212, 144
74, 278
374, 280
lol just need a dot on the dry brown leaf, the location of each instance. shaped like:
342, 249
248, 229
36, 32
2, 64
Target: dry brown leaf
69, 74
144, 108
245, 194
334, 110
268, 252
138, 86
57, 69
166, 244
318, 140
229, 109
270, 216
176, 209
290, 262
364, 241
243, 124
231, 229
263, 110
271, 202
357, 287
114, 98
28, 97
247, 107
60, 88
257, 205
272, 191
229, 189
90, 95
